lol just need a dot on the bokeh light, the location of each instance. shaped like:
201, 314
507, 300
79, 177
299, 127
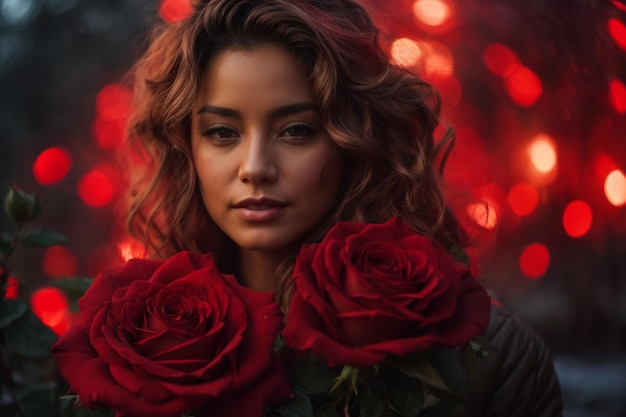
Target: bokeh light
523, 199
175, 10
131, 249
483, 214
113, 102
617, 92
577, 218
603, 166
523, 85
18, 12
619, 5
615, 188
112, 109
499, 59
109, 134
405, 52
12, 290
542, 152
95, 188
617, 29
432, 12
52, 165
437, 62
50, 305
534, 260
58, 262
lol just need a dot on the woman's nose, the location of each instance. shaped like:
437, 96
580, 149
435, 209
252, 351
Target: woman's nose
258, 161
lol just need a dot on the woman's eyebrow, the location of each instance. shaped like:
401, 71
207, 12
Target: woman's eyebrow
292, 108
222, 111
277, 112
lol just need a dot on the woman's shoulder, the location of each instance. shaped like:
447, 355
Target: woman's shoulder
517, 378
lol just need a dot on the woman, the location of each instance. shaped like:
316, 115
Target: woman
261, 124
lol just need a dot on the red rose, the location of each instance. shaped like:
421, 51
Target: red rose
160, 338
368, 291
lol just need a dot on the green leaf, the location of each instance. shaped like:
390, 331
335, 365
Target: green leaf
298, 406
374, 404
74, 288
6, 244
29, 370
78, 285
29, 337
450, 370
38, 400
347, 373
312, 377
446, 407
405, 394
328, 413
417, 365
482, 347
42, 238
469, 361
21, 207
67, 408
11, 310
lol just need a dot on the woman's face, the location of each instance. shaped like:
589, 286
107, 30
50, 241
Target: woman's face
268, 171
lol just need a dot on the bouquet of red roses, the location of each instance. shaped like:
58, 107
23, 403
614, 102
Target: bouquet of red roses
379, 324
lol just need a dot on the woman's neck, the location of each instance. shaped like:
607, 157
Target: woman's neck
257, 269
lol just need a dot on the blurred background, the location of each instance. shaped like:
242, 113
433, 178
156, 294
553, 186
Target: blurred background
536, 93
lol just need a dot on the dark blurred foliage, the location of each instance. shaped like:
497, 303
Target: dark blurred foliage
55, 55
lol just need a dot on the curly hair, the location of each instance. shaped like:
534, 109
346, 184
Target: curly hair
380, 115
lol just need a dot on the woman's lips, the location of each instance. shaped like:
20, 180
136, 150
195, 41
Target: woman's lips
260, 210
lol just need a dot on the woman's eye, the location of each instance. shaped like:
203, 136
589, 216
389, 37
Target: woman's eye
298, 132
219, 132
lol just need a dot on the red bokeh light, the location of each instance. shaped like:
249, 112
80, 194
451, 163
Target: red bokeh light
12, 288
483, 214
615, 188
405, 52
619, 5
52, 165
534, 260
617, 92
109, 134
432, 12
131, 249
577, 218
617, 30
542, 152
95, 188
113, 102
499, 59
63, 326
50, 305
438, 62
523, 85
523, 199
603, 166
59, 262
175, 10
113, 106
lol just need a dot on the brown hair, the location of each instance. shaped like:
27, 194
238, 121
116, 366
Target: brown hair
380, 115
